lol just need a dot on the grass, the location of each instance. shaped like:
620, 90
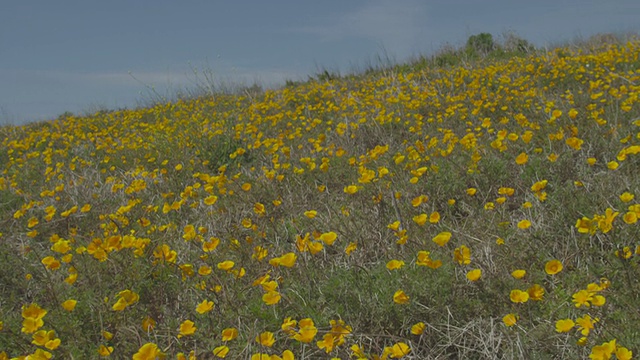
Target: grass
319, 204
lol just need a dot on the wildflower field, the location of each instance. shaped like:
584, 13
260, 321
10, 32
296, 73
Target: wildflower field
481, 210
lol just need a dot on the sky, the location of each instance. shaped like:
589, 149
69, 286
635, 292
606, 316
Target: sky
83, 56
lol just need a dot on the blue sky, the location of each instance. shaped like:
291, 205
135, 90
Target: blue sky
82, 56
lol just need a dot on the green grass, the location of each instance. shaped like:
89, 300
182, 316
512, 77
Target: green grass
433, 128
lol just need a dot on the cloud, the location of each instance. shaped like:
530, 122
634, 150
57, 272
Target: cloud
395, 25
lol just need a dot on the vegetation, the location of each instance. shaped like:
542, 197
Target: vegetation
433, 210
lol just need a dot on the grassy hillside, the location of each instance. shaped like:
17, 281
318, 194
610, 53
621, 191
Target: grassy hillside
482, 209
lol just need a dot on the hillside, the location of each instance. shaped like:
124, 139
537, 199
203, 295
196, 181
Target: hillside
482, 209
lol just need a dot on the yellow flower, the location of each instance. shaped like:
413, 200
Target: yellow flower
622, 353
471, 191
536, 292
226, 265
210, 200
310, 214
358, 352
125, 298
164, 253
247, 223
259, 209
61, 246
564, 325
399, 350
266, 339
585, 225
524, 224
329, 238
462, 255
189, 233
271, 297
315, 247
69, 305
582, 298
307, 331
522, 159
442, 238
582, 341
204, 307
327, 343
221, 351
510, 319
105, 351
32, 222
586, 324
418, 328
51, 263
424, 259
420, 219
474, 275
598, 300
204, 270
417, 201
539, 186
626, 197
400, 297
288, 326
148, 324
553, 267
229, 334
630, 218
350, 248
574, 143
187, 328
351, 189
519, 296
42, 337
395, 226
395, 264
612, 165
33, 311
53, 344
518, 274
148, 351
31, 325
506, 191
605, 223
604, 351
286, 260
211, 245
434, 218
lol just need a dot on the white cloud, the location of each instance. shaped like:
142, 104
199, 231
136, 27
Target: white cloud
395, 25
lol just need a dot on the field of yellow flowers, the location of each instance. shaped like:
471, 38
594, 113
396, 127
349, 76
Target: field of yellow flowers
485, 210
